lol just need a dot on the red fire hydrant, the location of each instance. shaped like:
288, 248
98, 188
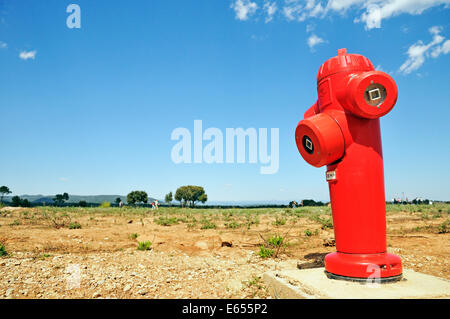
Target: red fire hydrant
342, 130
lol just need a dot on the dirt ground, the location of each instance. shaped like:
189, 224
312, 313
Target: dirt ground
193, 253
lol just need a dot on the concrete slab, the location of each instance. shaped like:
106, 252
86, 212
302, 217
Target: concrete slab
313, 283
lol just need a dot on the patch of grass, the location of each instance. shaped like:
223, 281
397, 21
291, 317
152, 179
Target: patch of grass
444, 227
310, 233
251, 220
105, 205
279, 221
233, 225
144, 245
15, 223
275, 241
75, 225
3, 251
207, 224
265, 252
134, 235
325, 222
256, 286
166, 221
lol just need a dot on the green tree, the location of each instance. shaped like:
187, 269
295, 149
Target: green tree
15, 201
137, 197
189, 195
118, 200
4, 190
18, 202
169, 198
25, 203
82, 203
59, 199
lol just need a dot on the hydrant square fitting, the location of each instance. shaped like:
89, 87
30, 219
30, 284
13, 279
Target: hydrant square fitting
342, 131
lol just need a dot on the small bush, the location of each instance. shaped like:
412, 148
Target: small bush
233, 225
206, 224
265, 252
3, 251
279, 221
105, 205
275, 241
166, 221
75, 225
308, 233
251, 220
82, 203
444, 227
134, 236
325, 222
144, 245
15, 223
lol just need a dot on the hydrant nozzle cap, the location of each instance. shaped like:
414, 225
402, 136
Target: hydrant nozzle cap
344, 62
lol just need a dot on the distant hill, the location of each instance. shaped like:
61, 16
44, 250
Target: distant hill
92, 199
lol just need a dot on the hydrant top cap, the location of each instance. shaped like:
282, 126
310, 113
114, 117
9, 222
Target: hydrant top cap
344, 62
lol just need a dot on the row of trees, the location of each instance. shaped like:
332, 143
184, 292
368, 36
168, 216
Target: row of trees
188, 196
16, 201
306, 202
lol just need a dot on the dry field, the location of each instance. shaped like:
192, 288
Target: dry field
193, 253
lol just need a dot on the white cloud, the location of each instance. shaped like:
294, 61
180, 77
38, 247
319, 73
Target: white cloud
270, 8
293, 11
369, 12
25, 55
441, 49
419, 52
314, 40
244, 9
378, 10
3, 45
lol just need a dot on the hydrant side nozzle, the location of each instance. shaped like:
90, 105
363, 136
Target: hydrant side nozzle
320, 140
370, 94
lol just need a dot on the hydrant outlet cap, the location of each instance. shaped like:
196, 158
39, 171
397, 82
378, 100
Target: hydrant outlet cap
344, 62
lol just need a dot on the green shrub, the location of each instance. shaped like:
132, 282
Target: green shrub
3, 251
444, 227
279, 221
166, 221
75, 225
275, 241
144, 245
134, 236
207, 224
15, 223
233, 225
265, 252
308, 233
325, 222
105, 205
251, 220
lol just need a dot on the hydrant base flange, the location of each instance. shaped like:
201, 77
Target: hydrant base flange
365, 280
381, 265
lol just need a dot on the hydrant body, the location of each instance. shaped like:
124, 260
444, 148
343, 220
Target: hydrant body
342, 131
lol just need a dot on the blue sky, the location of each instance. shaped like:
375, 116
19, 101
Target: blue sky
91, 110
